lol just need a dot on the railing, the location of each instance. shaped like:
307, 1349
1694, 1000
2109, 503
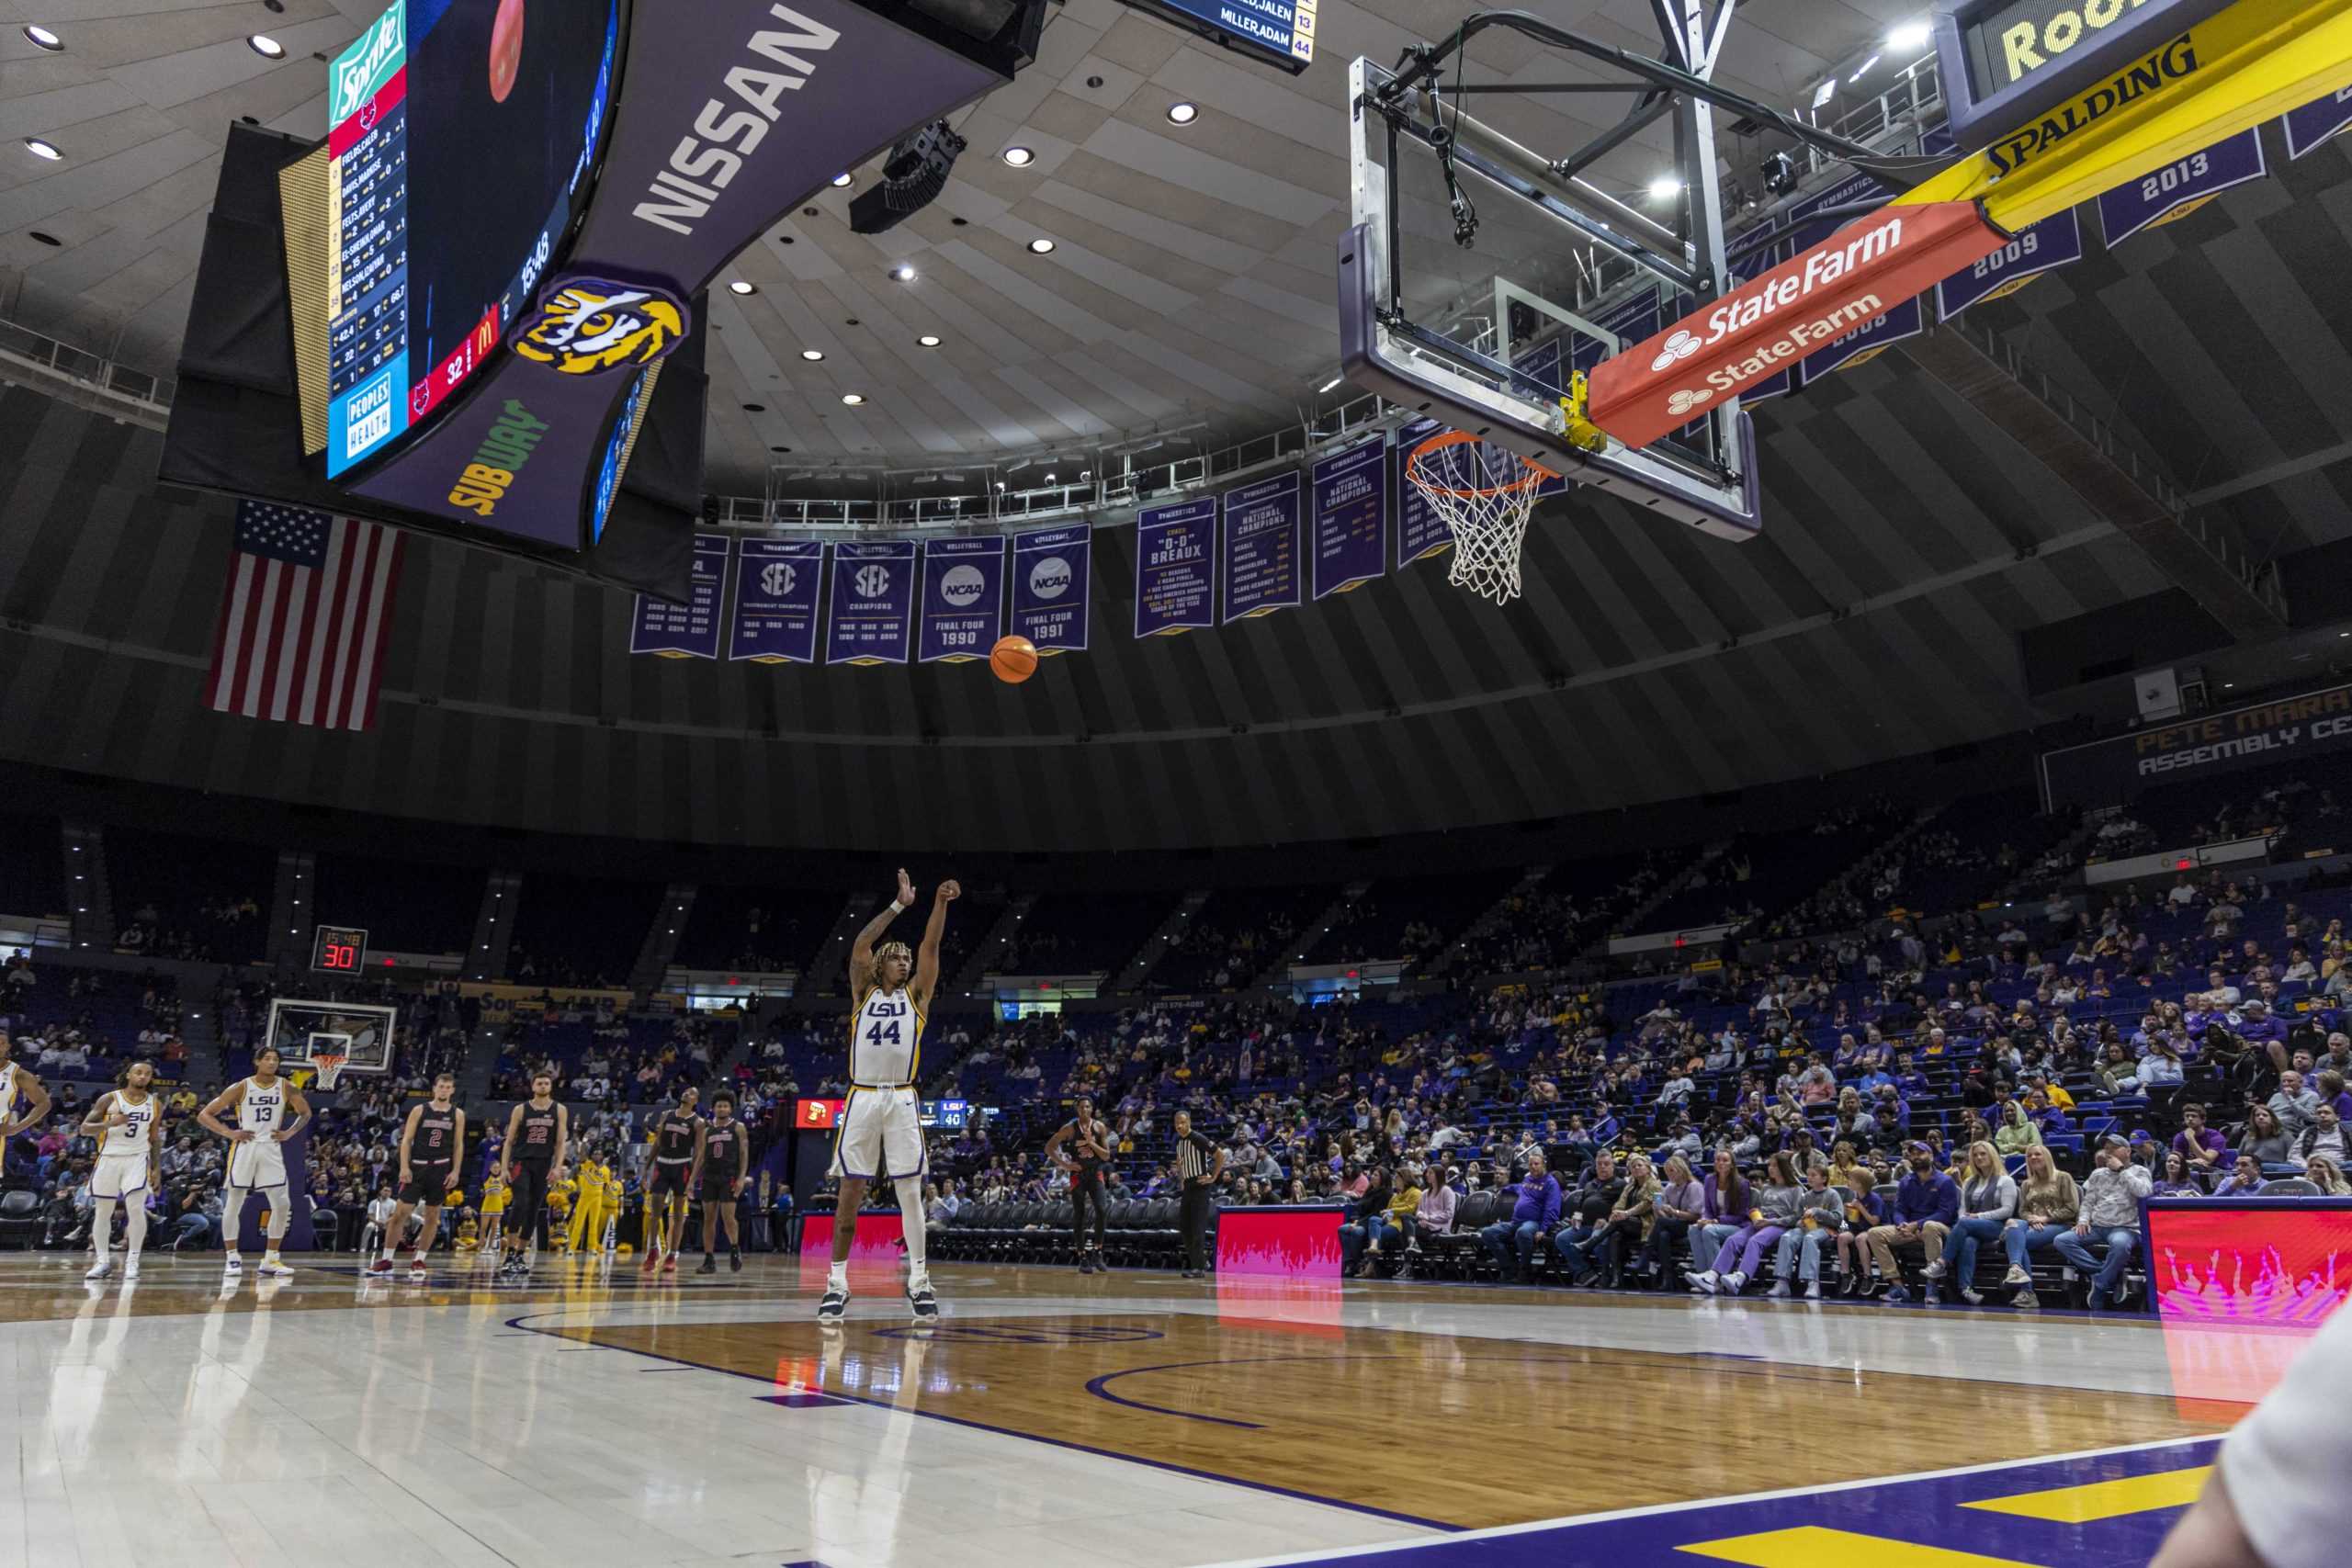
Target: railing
38, 349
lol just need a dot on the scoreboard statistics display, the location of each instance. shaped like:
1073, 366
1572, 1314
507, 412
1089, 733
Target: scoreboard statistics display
1278, 32
340, 950
461, 137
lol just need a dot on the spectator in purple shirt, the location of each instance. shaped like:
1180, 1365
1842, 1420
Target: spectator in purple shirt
2204, 1148
1535, 1209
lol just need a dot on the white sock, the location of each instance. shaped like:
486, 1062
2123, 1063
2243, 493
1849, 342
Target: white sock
910, 1189
134, 1222
839, 1278
101, 1224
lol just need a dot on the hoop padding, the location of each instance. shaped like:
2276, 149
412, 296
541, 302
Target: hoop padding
1486, 493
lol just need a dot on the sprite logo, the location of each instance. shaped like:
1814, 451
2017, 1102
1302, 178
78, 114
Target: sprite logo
360, 71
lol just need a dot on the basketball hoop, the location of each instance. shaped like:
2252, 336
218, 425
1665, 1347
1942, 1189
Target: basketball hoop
328, 1064
1486, 493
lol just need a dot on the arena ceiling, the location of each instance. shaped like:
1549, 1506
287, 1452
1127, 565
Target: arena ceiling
1908, 542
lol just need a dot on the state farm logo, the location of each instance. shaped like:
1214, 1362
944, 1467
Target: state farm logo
1689, 397
1678, 347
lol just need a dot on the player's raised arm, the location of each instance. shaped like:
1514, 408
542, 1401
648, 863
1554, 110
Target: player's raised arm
861, 952
227, 1100
927, 956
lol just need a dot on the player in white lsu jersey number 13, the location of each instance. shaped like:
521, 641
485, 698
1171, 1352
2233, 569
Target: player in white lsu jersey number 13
880, 1135
269, 1110
128, 1122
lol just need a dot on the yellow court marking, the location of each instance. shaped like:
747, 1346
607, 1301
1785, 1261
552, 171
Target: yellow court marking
1812, 1546
2103, 1499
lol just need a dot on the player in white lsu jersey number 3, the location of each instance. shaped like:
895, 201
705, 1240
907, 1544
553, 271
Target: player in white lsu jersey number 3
880, 1135
128, 1122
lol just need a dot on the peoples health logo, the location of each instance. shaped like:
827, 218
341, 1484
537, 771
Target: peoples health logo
872, 582
962, 586
776, 578
1050, 577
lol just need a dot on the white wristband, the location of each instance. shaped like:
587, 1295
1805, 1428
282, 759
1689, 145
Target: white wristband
897, 908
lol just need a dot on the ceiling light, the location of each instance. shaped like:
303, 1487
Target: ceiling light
842, 181
1328, 385
1041, 247
43, 38
904, 272
1020, 157
40, 149
1910, 37
266, 46
1182, 113
812, 354
1862, 71
1665, 187
929, 339
853, 398
742, 285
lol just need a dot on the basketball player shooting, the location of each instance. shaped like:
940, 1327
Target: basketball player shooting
880, 1135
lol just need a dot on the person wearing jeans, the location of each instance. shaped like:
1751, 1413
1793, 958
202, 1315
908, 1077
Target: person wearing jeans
1989, 1196
1823, 1212
1926, 1201
2048, 1203
1778, 1199
1535, 1209
2111, 1214
1723, 1209
1673, 1211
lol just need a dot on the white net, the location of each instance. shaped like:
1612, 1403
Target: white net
1486, 493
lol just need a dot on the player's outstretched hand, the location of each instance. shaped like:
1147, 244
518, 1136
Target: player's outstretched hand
906, 887
949, 891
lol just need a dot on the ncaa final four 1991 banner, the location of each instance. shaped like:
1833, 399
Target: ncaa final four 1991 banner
963, 599
776, 601
2106, 772
1052, 571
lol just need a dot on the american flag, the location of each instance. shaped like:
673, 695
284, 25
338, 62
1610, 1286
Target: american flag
303, 617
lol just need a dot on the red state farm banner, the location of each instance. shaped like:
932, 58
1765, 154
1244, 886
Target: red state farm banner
1761, 328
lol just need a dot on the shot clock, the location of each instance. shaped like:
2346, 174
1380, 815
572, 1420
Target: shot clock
340, 950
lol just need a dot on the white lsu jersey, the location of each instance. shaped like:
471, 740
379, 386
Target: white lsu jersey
885, 1039
262, 1112
136, 1133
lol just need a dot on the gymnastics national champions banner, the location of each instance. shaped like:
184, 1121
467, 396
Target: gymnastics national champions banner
2173, 192
689, 630
1053, 572
2311, 128
963, 599
776, 601
1261, 547
873, 611
1352, 517
1420, 530
1176, 567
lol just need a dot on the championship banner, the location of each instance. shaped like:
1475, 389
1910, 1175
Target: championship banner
776, 601
1868, 340
2173, 192
1176, 567
963, 599
689, 630
2103, 772
1053, 574
2311, 128
2051, 243
1261, 547
873, 603
1420, 530
1351, 518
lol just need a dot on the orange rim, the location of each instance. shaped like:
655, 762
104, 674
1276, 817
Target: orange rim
1536, 473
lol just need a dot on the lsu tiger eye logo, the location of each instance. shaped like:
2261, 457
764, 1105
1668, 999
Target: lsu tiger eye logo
588, 325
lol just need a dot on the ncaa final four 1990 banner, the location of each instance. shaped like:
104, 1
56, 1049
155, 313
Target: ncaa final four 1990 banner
2104, 772
963, 599
873, 607
1052, 571
776, 601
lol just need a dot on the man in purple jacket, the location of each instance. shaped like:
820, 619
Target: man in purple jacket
1927, 1205
1534, 1211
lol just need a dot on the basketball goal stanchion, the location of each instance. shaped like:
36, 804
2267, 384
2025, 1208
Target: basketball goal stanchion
1486, 493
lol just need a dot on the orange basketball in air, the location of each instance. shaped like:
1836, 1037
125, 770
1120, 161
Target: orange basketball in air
1014, 659
505, 49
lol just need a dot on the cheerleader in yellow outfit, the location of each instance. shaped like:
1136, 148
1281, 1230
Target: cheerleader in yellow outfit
562, 1198
587, 1228
494, 1210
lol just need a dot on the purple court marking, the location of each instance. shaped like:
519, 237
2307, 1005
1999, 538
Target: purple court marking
1099, 1452
1920, 1509
795, 1401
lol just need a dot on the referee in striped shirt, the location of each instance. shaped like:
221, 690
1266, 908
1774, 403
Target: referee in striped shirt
1199, 1164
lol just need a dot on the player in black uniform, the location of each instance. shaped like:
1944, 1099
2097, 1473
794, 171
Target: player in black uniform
725, 1167
430, 1145
1090, 1142
537, 1132
670, 1179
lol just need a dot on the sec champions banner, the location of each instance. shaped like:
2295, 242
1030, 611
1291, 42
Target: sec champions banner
1351, 518
689, 630
1176, 567
963, 599
1052, 571
873, 603
776, 601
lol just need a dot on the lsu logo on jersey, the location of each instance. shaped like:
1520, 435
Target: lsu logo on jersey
588, 325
